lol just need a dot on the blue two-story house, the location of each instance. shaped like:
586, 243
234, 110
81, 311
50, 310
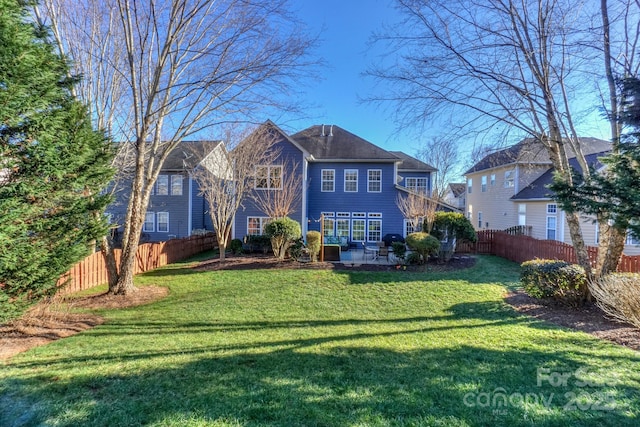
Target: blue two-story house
350, 182
175, 209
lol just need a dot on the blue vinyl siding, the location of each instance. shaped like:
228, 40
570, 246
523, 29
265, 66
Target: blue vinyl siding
361, 201
289, 154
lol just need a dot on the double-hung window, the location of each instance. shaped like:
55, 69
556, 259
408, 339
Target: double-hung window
509, 179
162, 185
163, 222
176, 185
350, 180
419, 185
328, 180
255, 225
269, 177
149, 222
374, 183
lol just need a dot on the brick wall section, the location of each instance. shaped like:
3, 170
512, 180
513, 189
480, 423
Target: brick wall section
92, 272
519, 248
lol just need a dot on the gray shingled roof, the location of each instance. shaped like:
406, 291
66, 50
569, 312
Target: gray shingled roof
530, 150
458, 188
189, 153
338, 144
538, 189
411, 163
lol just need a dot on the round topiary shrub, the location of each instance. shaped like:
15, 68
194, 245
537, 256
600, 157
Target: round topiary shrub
235, 246
423, 244
282, 232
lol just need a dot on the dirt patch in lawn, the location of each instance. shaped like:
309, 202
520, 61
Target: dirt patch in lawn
588, 319
52, 320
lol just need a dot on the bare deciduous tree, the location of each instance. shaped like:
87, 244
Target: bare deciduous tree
417, 210
526, 65
280, 200
187, 65
226, 178
444, 155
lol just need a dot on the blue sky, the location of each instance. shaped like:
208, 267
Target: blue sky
346, 28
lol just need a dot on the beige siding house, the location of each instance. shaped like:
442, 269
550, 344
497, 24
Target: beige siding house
508, 188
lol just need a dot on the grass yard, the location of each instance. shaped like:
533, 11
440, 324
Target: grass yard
324, 348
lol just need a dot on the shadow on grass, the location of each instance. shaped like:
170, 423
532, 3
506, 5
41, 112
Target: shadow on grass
336, 385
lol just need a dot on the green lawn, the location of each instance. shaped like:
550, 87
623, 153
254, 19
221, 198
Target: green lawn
324, 348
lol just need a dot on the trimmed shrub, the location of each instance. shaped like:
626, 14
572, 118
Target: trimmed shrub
544, 278
235, 246
399, 250
414, 258
296, 249
282, 232
313, 244
423, 244
618, 295
257, 243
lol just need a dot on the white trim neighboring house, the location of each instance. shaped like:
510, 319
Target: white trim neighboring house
507, 204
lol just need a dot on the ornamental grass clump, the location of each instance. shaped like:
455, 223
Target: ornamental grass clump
618, 295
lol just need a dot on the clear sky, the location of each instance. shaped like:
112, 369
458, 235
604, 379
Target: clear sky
346, 27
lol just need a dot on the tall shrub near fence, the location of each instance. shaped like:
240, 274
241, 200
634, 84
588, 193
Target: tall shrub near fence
92, 270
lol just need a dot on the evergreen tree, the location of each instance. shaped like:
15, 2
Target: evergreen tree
614, 191
53, 165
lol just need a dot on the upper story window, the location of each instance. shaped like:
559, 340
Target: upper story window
351, 180
162, 185
483, 184
492, 179
509, 179
552, 208
176, 185
470, 186
269, 177
374, 184
328, 180
419, 185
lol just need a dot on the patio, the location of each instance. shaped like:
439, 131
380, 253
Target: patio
360, 256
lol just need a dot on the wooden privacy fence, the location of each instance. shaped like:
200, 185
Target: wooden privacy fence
92, 270
521, 248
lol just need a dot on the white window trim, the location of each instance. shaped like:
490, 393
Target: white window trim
470, 186
263, 221
364, 237
483, 184
479, 219
370, 181
368, 230
511, 181
555, 208
358, 214
269, 169
415, 187
174, 180
346, 171
492, 179
333, 181
162, 176
158, 214
547, 229
343, 214
375, 215
144, 225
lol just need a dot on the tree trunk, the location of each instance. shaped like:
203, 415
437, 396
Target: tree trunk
582, 255
222, 246
110, 262
610, 249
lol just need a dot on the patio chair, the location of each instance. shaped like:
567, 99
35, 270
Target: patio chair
383, 250
367, 251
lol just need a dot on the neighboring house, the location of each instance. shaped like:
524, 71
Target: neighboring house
175, 209
508, 188
351, 182
456, 195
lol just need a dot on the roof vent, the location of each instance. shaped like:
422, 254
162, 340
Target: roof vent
322, 130
331, 131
